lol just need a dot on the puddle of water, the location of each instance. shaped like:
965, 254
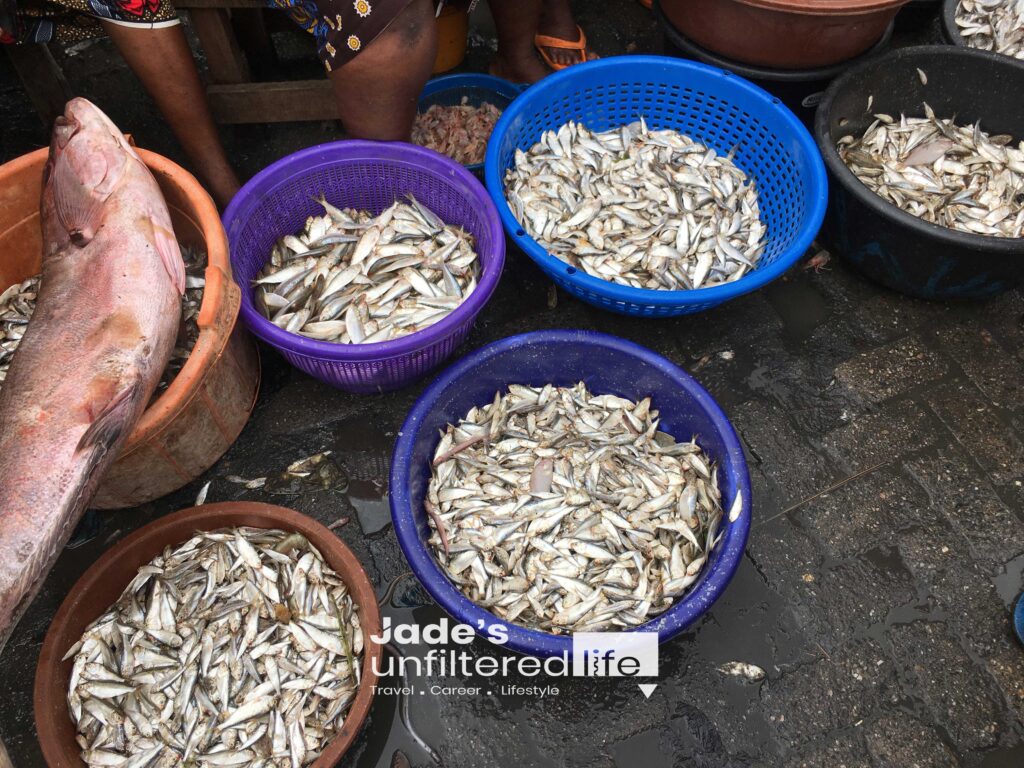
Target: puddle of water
1008, 757
1010, 583
801, 308
643, 749
364, 452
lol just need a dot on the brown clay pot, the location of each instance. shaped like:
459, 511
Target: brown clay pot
104, 582
197, 418
784, 34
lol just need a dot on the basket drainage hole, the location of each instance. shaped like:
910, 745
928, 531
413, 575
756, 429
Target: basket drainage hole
570, 270
520, 233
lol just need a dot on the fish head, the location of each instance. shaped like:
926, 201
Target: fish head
88, 157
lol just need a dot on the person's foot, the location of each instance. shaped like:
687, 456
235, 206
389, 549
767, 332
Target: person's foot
524, 69
557, 21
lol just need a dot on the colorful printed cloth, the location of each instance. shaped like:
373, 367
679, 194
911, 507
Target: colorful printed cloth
71, 21
341, 27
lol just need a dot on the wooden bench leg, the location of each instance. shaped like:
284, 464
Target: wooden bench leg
225, 59
255, 41
43, 79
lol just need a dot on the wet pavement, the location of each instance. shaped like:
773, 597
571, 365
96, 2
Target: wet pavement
885, 438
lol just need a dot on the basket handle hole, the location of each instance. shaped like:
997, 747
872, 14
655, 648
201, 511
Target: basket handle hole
844, 120
570, 270
775, 100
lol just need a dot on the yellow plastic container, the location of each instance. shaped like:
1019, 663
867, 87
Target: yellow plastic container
452, 29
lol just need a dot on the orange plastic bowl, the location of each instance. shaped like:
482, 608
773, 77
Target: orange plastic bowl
104, 582
194, 421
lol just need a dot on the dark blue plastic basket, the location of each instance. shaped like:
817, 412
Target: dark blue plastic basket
608, 365
366, 175
711, 105
449, 91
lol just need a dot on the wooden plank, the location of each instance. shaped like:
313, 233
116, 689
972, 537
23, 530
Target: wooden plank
43, 79
224, 57
280, 102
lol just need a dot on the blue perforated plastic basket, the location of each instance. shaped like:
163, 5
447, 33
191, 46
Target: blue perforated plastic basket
711, 105
449, 90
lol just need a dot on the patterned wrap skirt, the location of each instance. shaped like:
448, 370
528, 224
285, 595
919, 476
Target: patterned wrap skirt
341, 28
71, 21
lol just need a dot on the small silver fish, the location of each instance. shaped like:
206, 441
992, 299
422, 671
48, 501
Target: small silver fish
565, 511
992, 25
350, 278
240, 647
646, 208
953, 175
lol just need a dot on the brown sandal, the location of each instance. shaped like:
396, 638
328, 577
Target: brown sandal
541, 42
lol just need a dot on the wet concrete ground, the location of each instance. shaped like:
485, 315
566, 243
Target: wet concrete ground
885, 439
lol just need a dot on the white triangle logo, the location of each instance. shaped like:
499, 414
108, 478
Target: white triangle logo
647, 689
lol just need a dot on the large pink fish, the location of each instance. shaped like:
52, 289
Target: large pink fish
105, 323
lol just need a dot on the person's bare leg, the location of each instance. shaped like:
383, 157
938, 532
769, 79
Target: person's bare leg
162, 60
378, 90
516, 22
557, 21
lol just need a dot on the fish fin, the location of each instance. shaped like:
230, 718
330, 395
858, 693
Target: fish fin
113, 422
170, 253
77, 207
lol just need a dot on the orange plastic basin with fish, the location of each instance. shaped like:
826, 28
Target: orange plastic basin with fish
452, 29
194, 421
107, 578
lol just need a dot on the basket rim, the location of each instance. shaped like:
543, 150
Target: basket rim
480, 80
425, 160
845, 178
817, 184
668, 624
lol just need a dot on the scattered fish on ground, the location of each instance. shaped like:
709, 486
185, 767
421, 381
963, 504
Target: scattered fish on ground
639, 207
953, 175
316, 471
751, 673
565, 511
239, 647
18, 302
351, 278
201, 496
993, 25
459, 131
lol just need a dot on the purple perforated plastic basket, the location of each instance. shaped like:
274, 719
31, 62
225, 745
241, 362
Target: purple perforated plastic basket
366, 175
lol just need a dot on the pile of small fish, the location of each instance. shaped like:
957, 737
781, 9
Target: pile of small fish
239, 647
460, 131
993, 25
639, 207
957, 176
191, 303
565, 511
351, 278
18, 302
